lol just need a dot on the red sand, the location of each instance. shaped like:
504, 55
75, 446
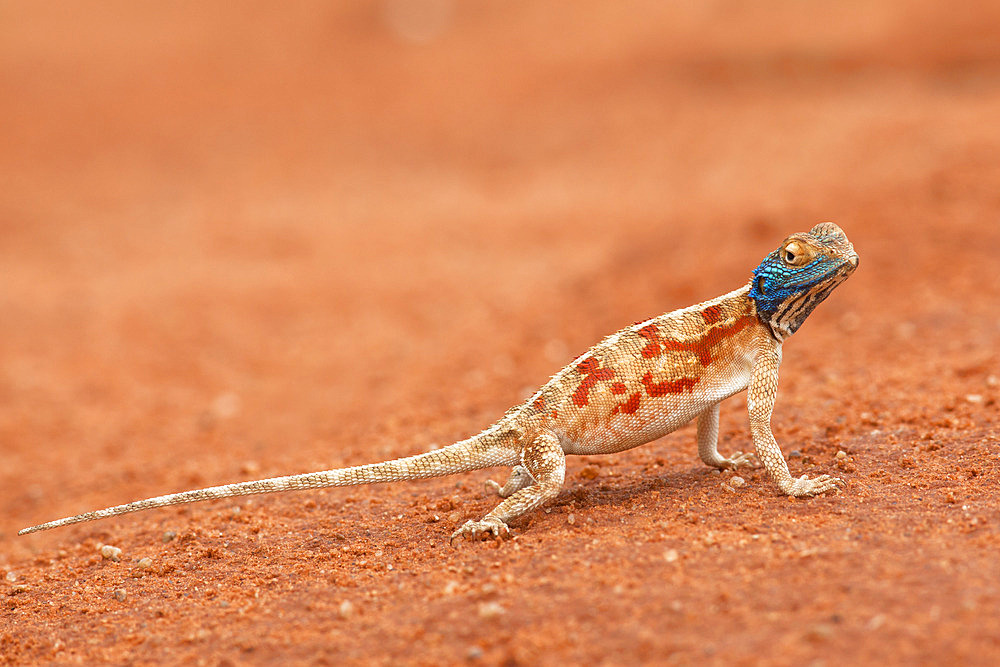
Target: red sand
240, 243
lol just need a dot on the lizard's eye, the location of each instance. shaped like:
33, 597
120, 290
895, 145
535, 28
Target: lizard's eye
792, 254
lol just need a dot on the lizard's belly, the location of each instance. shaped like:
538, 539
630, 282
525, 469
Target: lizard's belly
616, 421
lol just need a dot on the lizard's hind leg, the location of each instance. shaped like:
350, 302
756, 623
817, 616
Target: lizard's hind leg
543, 460
519, 479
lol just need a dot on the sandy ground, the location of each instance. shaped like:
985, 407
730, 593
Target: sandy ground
237, 243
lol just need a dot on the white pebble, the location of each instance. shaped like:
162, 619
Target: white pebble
841, 455
109, 552
571, 519
737, 482
11, 576
974, 398
346, 609
120, 594
671, 555
145, 563
490, 610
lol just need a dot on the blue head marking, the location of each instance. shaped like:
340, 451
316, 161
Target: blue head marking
774, 282
795, 278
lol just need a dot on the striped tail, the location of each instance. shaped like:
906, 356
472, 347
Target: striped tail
475, 453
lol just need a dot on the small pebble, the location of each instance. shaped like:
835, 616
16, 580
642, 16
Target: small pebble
820, 632
168, 536
109, 552
120, 594
17, 588
794, 454
571, 519
737, 482
450, 588
11, 576
671, 555
346, 609
490, 610
474, 653
841, 455
145, 563
974, 398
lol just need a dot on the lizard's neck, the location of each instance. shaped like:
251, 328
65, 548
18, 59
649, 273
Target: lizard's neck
742, 300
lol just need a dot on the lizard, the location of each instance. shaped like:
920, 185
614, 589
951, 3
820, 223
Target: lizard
631, 388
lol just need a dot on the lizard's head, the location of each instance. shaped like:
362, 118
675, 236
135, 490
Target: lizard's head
796, 277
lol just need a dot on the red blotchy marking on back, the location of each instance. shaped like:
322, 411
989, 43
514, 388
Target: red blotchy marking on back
629, 407
702, 347
712, 314
678, 386
618, 388
592, 374
539, 403
715, 335
698, 347
652, 334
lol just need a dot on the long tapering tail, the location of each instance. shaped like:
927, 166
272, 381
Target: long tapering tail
482, 451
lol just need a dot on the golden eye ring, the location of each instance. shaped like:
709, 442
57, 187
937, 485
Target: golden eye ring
792, 254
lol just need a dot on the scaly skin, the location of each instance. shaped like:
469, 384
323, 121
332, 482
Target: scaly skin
634, 386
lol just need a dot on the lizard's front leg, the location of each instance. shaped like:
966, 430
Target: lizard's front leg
760, 403
544, 460
708, 443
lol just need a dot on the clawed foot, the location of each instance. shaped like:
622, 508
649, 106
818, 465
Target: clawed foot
804, 487
476, 530
738, 459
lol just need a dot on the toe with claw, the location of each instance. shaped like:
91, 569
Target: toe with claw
476, 530
738, 459
804, 487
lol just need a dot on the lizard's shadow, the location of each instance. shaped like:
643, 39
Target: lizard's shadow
674, 489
